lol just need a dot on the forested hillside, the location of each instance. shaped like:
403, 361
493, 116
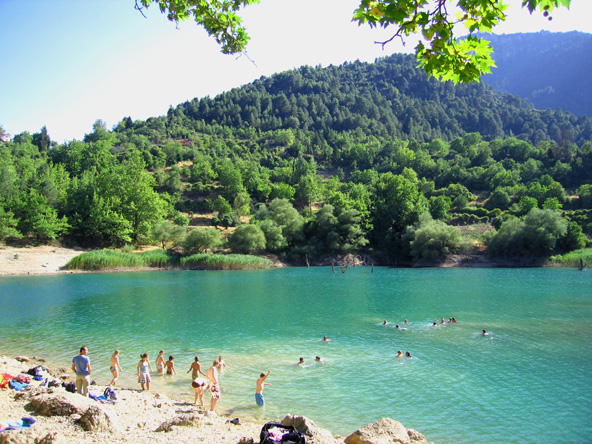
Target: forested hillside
550, 70
371, 159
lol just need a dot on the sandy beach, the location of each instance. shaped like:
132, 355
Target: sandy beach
44, 259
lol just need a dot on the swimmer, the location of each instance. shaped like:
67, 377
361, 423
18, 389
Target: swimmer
318, 359
441, 320
195, 368
385, 323
301, 361
408, 355
170, 366
160, 362
399, 354
260, 385
398, 327
199, 384
325, 339
454, 320
115, 368
222, 363
406, 322
485, 333
434, 324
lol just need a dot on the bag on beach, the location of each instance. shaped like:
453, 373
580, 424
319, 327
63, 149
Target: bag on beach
70, 387
272, 433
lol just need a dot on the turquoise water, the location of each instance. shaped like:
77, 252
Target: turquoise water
530, 382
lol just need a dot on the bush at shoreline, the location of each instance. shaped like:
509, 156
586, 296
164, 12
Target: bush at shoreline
108, 259
573, 259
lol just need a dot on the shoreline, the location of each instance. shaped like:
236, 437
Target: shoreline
141, 417
51, 260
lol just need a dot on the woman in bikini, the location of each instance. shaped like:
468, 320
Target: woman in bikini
199, 384
170, 366
195, 368
115, 367
160, 362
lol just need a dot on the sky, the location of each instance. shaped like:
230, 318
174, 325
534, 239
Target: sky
66, 63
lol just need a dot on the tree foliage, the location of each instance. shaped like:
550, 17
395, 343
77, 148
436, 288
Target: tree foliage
431, 239
218, 17
201, 239
443, 55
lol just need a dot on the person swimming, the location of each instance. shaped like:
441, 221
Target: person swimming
385, 323
398, 327
408, 355
300, 361
325, 339
318, 359
399, 354
485, 333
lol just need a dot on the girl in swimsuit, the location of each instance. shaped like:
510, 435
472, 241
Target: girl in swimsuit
160, 362
195, 368
144, 368
115, 367
199, 384
170, 366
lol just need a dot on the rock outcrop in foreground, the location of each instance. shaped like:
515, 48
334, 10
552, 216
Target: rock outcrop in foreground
141, 417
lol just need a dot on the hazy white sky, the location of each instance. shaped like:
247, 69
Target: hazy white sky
67, 63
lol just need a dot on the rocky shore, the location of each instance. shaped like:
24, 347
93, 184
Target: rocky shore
140, 417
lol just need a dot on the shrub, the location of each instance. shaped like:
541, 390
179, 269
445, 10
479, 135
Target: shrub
201, 240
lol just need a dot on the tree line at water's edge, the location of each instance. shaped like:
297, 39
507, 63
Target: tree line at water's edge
369, 159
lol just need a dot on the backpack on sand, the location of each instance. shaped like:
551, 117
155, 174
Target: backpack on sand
273, 433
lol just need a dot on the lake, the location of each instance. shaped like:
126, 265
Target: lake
530, 381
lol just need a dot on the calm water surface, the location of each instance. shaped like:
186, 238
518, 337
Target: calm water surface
530, 382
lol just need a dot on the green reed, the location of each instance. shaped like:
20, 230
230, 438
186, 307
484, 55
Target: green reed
572, 259
108, 259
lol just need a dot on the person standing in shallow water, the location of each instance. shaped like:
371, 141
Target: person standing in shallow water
144, 368
195, 368
81, 366
160, 362
260, 385
115, 367
170, 366
212, 376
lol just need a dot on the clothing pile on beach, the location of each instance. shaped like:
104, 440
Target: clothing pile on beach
273, 433
14, 382
21, 381
16, 424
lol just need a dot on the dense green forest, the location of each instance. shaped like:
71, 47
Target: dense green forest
365, 158
550, 70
